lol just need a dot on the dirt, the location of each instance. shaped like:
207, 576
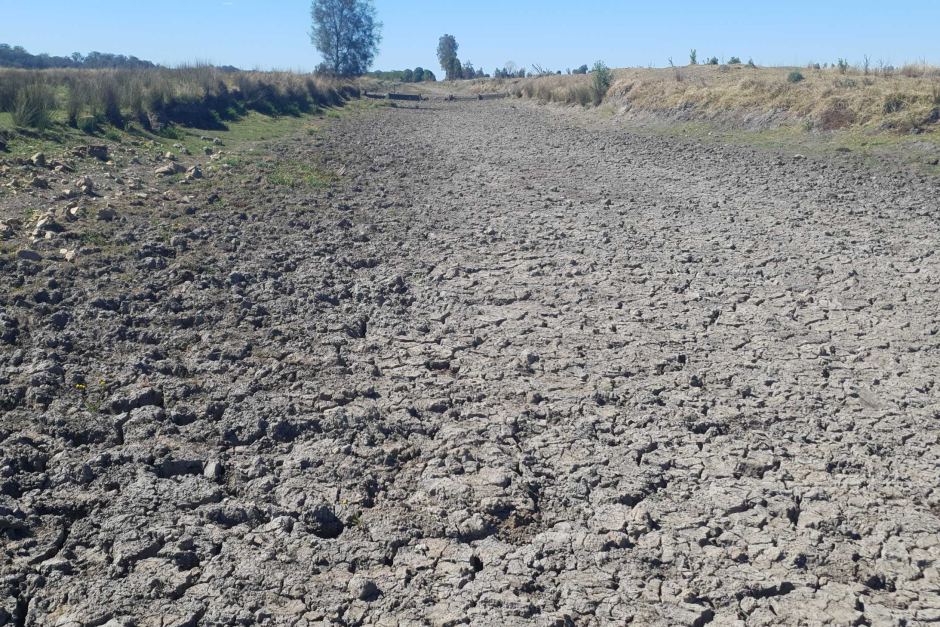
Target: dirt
496, 364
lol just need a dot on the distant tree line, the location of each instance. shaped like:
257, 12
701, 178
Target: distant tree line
18, 57
417, 75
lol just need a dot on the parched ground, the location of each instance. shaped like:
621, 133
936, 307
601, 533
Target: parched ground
476, 363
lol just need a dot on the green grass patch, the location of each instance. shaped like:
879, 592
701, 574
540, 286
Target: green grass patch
296, 175
914, 150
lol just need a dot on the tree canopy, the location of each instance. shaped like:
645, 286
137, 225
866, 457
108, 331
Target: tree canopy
347, 34
447, 56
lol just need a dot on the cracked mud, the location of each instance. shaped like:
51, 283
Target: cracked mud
512, 365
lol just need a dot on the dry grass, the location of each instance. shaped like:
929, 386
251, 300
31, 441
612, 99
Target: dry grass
903, 101
199, 96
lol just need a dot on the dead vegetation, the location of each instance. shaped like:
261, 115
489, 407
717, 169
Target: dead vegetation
903, 101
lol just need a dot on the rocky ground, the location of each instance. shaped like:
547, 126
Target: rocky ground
478, 363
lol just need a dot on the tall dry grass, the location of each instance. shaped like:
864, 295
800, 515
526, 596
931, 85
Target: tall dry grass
197, 96
901, 100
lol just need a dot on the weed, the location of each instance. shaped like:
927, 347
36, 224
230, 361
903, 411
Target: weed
295, 175
795, 77
894, 103
33, 106
94, 239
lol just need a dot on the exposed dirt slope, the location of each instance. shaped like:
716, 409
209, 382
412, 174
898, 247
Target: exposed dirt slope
513, 367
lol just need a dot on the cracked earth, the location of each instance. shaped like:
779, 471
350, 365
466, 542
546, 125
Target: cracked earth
512, 365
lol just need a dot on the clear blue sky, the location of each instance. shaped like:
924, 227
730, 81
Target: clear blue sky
553, 33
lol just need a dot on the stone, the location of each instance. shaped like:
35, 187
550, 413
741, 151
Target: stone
106, 214
28, 255
38, 160
169, 169
363, 588
85, 185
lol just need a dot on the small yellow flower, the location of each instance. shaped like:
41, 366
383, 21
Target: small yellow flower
80, 386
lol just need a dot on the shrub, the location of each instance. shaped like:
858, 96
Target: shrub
894, 103
843, 66
601, 81
795, 76
734, 61
33, 106
693, 57
750, 63
713, 61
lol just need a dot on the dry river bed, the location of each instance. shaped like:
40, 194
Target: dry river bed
510, 365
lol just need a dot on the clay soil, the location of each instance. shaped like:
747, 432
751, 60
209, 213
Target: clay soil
480, 363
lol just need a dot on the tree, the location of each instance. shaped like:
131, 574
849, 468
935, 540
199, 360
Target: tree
346, 33
693, 57
447, 56
419, 74
408, 76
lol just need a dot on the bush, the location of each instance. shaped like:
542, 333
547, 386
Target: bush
33, 106
894, 103
601, 81
713, 61
795, 77
843, 66
734, 61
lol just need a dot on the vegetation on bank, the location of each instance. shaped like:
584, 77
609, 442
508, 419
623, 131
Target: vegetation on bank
906, 100
200, 96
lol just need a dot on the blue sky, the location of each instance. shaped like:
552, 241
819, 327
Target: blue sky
553, 33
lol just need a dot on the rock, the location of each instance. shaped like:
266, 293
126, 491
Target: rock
39, 182
106, 214
363, 588
217, 141
169, 156
47, 224
38, 160
28, 255
195, 172
86, 185
99, 152
169, 169
128, 400
213, 470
